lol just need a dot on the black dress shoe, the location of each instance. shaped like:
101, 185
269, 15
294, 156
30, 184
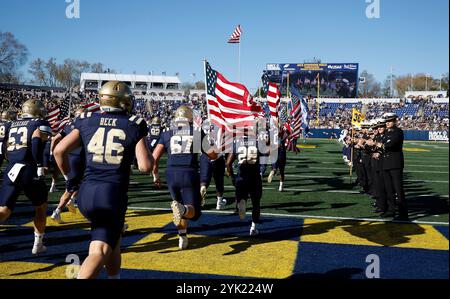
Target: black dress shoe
387, 215
402, 218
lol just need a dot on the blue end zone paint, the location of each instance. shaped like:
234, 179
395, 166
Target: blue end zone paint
443, 230
271, 228
317, 260
153, 274
314, 260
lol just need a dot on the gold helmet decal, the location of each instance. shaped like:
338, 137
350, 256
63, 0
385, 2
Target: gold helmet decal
156, 121
116, 96
33, 109
184, 114
9, 115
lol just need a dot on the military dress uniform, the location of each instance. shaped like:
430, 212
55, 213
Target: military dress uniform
378, 181
393, 164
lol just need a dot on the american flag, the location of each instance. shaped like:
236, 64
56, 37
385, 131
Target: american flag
299, 113
92, 107
273, 96
197, 120
230, 104
58, 117
284, 117
236, 36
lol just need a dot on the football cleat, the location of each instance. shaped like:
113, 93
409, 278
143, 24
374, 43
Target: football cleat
183, 242
178, 212
56, 217
270, 177
242, 209
71, 207
124, 228
221, 204
203, 194
254, 231
38, 248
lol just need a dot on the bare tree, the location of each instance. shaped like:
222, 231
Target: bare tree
199, 85
371, 88
38, 71
97, 68
13, 55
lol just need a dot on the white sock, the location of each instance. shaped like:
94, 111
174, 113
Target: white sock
38, 238
253, 225
117, 276
281, 184
57, 211
53, 184
219, 198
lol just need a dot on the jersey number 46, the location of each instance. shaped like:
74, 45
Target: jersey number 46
102, 150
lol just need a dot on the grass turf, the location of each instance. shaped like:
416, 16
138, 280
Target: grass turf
318, 184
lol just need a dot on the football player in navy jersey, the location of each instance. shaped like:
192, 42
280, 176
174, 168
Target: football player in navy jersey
25, 145
111, 140
212, 169
77, 165
248, 179
5, 123
154, 133
182, 172
280, 164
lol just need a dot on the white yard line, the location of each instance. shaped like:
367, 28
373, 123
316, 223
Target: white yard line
304, 216
334, 177
345, 169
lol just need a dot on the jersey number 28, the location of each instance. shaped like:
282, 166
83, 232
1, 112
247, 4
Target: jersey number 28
247, 155
102, 149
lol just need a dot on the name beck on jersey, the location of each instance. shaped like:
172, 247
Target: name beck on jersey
108, 122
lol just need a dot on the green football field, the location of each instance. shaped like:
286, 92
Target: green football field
318, 184
320, 227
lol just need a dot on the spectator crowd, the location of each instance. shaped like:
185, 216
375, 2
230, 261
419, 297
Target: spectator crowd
413, 115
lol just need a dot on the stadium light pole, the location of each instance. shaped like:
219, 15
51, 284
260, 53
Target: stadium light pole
391, 87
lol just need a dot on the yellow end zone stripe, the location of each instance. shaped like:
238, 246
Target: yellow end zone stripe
231, 256
28, 270
409, 235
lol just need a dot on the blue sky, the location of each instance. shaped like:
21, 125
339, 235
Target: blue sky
176, 35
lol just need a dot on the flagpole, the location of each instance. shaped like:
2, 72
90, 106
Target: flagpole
318, 96
206, 86
239, 59
287, 86
351, 156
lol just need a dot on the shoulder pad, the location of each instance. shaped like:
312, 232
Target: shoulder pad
85, 115
135, 119
45, 129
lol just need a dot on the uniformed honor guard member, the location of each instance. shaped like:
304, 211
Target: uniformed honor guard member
393, 164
